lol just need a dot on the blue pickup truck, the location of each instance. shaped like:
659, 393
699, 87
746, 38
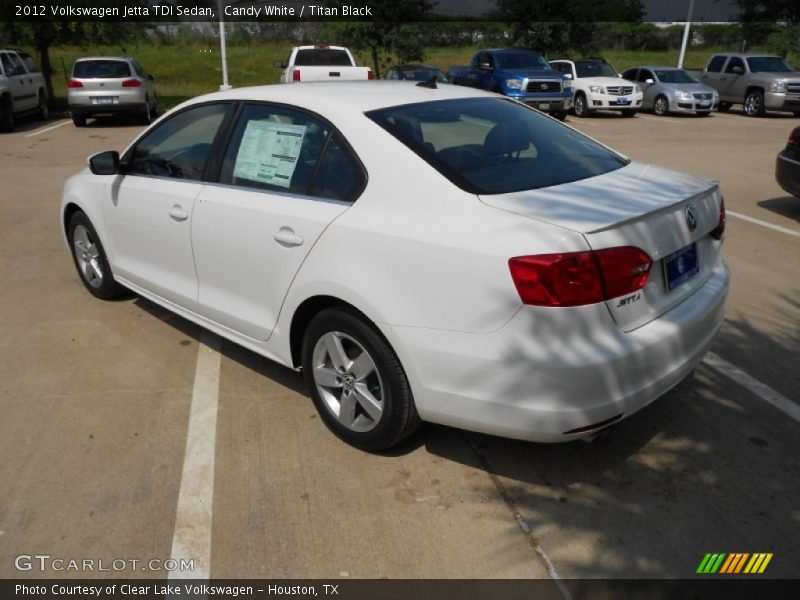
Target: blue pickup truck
523, 75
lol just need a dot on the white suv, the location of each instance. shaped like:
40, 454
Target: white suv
22, 88
598, 86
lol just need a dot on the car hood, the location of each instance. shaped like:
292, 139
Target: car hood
598, 203
696, 88
605, 81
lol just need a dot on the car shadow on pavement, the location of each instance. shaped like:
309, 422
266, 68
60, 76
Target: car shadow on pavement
786, 206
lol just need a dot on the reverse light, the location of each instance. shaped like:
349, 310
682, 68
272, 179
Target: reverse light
129, 83
74, 83
296, 75
719, 230
578, 278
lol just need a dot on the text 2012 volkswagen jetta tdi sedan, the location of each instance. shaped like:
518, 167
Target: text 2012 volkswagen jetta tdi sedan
441, 255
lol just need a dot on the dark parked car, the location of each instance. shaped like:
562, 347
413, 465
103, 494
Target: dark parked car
416, 73
787, 165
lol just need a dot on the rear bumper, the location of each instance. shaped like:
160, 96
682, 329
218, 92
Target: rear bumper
550, 371
97, 102
787, 174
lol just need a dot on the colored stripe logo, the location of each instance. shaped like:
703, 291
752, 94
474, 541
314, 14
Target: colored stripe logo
734, 563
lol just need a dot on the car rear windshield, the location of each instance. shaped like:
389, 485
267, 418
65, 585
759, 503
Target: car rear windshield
674, 76
768, 64
495, 145
421, 74
594, 69
322, 58
521, 60
101, 69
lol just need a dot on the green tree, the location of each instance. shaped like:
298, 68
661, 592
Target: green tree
556, 26
394, 29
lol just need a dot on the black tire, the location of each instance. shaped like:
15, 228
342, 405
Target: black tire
43, 110
724, 106
154, 107
147, 116
560, 115
797, 113
108, 288
660, 105
7, 123
399, 417
754, 104
628, 113
580, 107
79, 120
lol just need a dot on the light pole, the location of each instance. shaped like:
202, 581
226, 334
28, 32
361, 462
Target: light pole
223, 50
686, 34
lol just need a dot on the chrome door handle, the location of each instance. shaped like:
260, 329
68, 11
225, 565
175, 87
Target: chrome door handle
286, 236
177, 213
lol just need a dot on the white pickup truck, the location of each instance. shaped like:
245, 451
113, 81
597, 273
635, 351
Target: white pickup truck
322, 62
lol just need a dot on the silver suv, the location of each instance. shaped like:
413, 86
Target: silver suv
756, 81
110, 85
22, 88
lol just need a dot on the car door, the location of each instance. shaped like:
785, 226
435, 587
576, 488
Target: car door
286, 175
713, 72
23, 93
734, 84
35, 77
648, 89
148, 211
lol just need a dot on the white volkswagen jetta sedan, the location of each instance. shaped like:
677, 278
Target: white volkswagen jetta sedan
441, 255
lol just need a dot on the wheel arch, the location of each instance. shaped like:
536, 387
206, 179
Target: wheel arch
753, 88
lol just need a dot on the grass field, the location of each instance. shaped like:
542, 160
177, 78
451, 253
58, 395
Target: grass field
185, 71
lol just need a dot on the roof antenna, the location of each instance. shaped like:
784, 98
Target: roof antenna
430, 84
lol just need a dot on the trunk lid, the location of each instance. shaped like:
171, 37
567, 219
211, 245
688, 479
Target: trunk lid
639, 205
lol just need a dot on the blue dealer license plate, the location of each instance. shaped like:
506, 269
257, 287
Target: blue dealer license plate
623, 101
681, 266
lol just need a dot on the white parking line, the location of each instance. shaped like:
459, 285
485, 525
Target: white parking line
192, 537
785, 230
46, 129
661, 119
761, 390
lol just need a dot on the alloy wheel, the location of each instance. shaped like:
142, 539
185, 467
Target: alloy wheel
753, 104
87, 255
660, 107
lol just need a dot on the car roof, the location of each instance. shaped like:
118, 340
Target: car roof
120, 58
413, 66
361, 96
659, 67
747, 54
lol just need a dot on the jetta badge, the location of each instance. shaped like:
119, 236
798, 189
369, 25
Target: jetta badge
691, 217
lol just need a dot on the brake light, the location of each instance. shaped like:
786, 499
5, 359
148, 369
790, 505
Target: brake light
296, 75
719, 230
131, 83
322, 46
74, 83
794, 137
370, 75
578, 278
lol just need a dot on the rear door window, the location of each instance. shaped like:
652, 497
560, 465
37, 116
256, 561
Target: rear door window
715, 65
30, 64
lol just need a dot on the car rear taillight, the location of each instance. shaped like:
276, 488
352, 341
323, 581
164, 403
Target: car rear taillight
296, 75
74, 83
370, 75
131, 83
719, 230
577, 278
794, 137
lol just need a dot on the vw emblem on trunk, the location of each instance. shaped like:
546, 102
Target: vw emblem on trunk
691, 217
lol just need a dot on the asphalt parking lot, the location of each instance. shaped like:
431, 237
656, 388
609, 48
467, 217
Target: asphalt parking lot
97, 399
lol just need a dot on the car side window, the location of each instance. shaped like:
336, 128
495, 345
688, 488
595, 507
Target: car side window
644, 75
715, 65
179, 147
392, 74
735, 61
274, 148
30, 64
13, 65
630, 74
340, 176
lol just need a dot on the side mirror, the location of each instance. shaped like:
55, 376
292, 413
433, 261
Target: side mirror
105, 163
151, 78
279, 64
649, 81
485, 66
737, 70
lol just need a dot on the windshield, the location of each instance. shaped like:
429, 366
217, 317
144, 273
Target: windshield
101, 69
421, 74
521, 60
674, 76
594, 69
496, 146
770, 64
322, 57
